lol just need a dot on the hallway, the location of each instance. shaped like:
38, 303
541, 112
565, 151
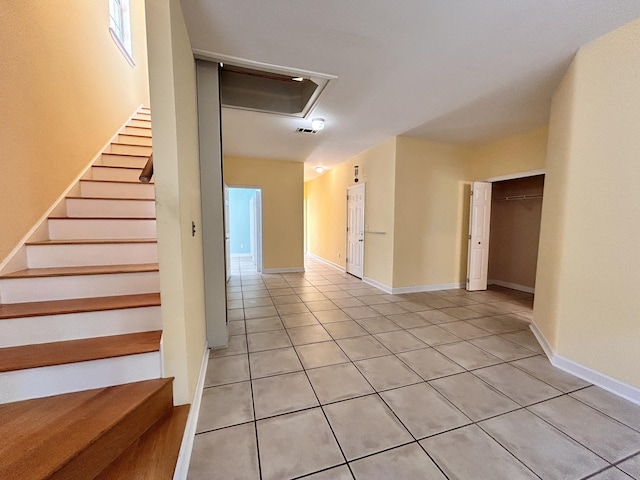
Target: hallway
327, 374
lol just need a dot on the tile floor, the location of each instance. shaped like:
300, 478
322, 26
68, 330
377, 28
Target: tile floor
326, 377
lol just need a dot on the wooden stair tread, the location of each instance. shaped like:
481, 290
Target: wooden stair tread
129, 144
78, 305
119, 167
113, 198
100, 218
76, 435
128, 182
154, 455
127, 154
70, 351
87, 270
95, 242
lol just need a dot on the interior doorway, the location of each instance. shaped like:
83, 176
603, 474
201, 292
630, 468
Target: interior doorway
510, 228
245, 227
355, 230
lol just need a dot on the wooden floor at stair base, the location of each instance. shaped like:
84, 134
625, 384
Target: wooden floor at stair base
154, 455
76, 436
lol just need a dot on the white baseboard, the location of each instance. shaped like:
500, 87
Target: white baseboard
413, 288
375, 283
427, 288
512, 286
18, 251
283, 270
184, 457
327, 262
601, 380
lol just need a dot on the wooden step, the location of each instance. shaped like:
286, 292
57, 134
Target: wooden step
114, 189
134, 122
63, 283
86, 228
76, 436
72, 351
78, 305
155, 454
83, 207
130, 139
116, 147
77, 253
143, 132
118, 174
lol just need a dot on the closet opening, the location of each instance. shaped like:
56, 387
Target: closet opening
516, 211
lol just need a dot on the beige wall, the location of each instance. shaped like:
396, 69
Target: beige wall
515, 232
431, 205
66, 89
418, 193
326, 198
589, 311
177, 180
516, 153
282, 185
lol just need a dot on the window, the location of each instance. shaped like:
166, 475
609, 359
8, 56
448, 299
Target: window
120, 27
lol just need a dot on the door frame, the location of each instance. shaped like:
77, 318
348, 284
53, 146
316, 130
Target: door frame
364, 203
500, 178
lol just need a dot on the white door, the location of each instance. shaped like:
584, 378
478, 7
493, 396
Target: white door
479, 223
355, 230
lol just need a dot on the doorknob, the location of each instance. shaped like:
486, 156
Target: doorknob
361, 240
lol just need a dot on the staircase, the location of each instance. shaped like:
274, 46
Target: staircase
81, 393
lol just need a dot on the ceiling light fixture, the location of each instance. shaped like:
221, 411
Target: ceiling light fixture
317, 123
297, 79
319, 169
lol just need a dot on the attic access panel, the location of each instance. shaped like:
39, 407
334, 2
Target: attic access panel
261, 91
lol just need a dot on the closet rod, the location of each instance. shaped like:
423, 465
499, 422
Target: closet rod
519, 197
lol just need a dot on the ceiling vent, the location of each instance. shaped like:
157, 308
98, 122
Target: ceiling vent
306, 130
268, 92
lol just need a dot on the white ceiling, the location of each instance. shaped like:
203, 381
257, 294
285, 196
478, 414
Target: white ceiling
461, 71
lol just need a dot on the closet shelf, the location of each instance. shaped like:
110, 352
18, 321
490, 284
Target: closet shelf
519, 197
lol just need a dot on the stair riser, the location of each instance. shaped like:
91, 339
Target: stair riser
99, 229
128, 149
41, 289
139, 123
142, 115
73, 326
122, 161
117, 190
116, 174
44, 256
21, 385
78, 208
134, 140
141, 132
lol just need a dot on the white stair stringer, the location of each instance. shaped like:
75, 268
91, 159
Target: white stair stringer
49, 255
74, 326
40, 382
67, 287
